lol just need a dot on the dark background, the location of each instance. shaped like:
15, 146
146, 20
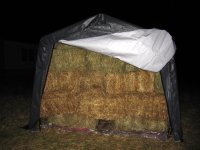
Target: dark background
28, 22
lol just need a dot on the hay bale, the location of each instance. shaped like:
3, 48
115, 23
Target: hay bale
147, 105
113, 83
130, 112
73, 120
58, 102
120, 106
83, 87
121, 83
122, 124
91, 81
145, 80
158, 87
103, 63
68, 81
131, 68
68, 58
140, 124
100, 107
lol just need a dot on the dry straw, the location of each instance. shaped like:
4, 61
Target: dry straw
106, 64
83, 87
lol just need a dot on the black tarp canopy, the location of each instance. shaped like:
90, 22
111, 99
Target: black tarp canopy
98, 25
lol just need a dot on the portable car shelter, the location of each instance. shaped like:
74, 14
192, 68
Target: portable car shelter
100, 25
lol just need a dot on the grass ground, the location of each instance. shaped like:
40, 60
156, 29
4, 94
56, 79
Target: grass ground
14, 113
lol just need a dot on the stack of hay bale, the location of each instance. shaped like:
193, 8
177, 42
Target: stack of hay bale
84, 87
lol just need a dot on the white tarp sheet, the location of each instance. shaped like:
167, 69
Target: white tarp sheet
148, 49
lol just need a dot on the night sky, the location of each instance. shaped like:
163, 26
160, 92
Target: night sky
28, 22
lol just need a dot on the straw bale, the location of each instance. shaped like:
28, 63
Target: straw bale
125, 124
113, 83
68, 81
101, 107
145, 80
147, 106
140, 124
73, 120
68, 59
121, 83
158, 87
83, 87
103, 63
59, 45
129, 111
92, 80
59, 102
131, 68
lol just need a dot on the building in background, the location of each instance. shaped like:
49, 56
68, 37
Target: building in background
17, 55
